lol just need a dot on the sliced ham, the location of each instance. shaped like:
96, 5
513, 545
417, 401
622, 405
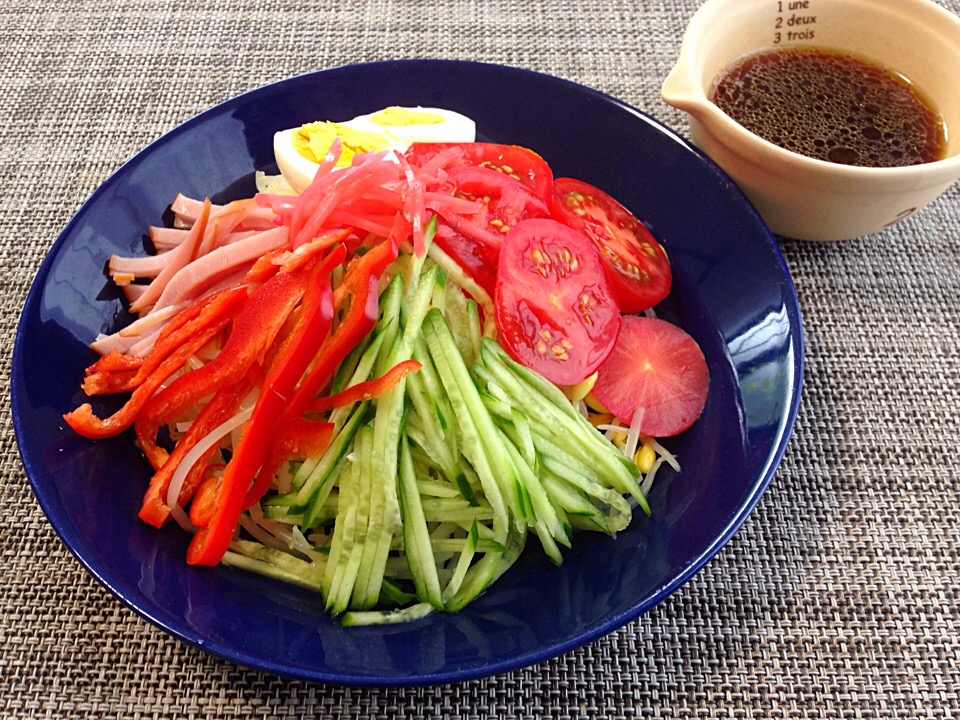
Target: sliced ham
187, 210
207, 270
164, 238
125, 337
181, 256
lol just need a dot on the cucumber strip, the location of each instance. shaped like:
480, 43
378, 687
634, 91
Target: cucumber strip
356, 536
517, 429
268, 561
469, 482
438, 295
485, 533
433, 388
458, 320
385, 507
574, 503
477, 430
564, 426
342, 414
416, 262
564, 521
486, 571
459, 545
343, 532
545, 515
536, 381
416, 537
554, 459
387, 617
397, 568
390, 301
474, 329
391, 331
465, 514
419, 304
316, 489
436, 488
392, 593
447, 529
614, 508
466, 488
467, 552
500, 409
430, 445
423, 463
433, 410
549, 545
349, 365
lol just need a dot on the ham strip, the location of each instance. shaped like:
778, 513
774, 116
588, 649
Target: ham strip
164, 238
203, 272
188, 210
125, 337
180, 257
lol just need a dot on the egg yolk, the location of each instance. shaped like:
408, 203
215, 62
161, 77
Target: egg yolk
314, 139
400, 116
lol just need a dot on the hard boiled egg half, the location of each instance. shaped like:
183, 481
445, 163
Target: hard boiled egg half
298, 151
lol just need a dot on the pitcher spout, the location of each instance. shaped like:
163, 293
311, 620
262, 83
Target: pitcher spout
681, 90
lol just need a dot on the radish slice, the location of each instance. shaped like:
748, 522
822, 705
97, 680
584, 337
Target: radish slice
656, 367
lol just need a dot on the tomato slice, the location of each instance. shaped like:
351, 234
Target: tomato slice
555, 310
474, 240
656, 366
519, 163
478, 260
636, 263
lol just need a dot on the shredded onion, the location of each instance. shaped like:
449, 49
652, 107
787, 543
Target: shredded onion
633, 434
648, 478
668, 456
180, 474
275, 534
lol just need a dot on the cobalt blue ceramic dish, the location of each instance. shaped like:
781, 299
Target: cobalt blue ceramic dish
732, 292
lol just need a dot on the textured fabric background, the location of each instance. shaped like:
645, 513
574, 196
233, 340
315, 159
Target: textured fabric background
838, 597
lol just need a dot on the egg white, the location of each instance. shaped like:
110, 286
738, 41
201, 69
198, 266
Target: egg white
295, 168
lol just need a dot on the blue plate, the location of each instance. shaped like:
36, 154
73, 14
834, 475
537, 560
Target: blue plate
732, 292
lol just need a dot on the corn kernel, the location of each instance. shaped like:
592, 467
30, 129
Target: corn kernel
645, 458
600, 419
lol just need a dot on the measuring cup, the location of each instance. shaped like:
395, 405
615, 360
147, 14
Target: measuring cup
799, 196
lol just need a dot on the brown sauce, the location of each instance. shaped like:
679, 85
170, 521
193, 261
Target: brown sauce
832, 107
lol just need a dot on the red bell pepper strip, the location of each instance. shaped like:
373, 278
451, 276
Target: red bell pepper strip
212, 540
108, 376
212, 319
252, 333
204, 503
299, 438
221, 407
367, 390
361, 281
115, 362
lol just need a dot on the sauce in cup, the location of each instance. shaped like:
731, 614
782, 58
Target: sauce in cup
831, 106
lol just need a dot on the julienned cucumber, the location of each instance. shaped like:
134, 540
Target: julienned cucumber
427, 494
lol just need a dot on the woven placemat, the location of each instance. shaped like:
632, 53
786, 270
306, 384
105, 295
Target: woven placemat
838, 597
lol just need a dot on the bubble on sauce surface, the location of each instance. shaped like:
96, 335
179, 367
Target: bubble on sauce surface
832, 107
